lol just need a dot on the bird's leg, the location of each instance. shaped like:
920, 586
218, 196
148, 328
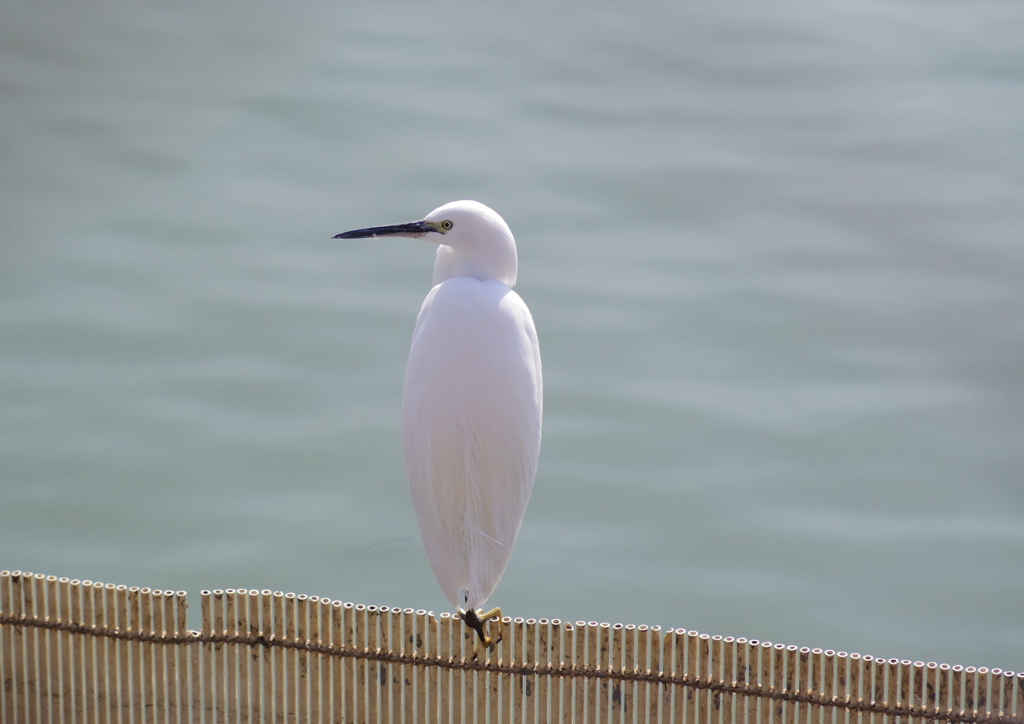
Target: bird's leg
476, 622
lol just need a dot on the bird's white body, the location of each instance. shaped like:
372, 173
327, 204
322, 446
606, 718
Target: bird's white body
471, 419
471, 407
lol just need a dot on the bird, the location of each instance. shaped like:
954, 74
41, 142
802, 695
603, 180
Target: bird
472, 404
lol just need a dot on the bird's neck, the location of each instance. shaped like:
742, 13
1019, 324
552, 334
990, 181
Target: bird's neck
500, 264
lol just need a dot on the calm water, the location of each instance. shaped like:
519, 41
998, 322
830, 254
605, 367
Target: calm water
774, 252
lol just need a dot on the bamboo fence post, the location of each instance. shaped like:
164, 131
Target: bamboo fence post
1018, 706
51, 703
444, 691
693, 675
701, 650
641, 665
803, 687
544, 661
652, 664
402, 633
246, 618
596, 703
716, 675
254, 654
300, 700
905, 688
918, 692
320, 624
206, 630
325, 662
314, 687
43, 636
30, 645
838, 684
941, 679
531, 681
412, 632
557, 683
168, 617
169, 651
930, 700
629, 664
159, 676
396, 669
1006, 693
591, 662
110, 710
34, 642
517, 683
814, 686
337, 638
6, 650
464, 643
224, 678
348, 669
423, 646
79, 647
275, 699
956, 690
767, 680
381, 679
656, 666
474, 707
34, 637
674, 656
869, 686
266, 661
486, 703
372, 667
76, 663
686, 652
892, 681
183, 662
1013, 694
853, 687
360, 694
742, 678
14, 662
614, 664
971, 690
134, 615
291, 659
579, 657
727, 646
107, 652
779, 653
158, 670
792, 683
229, 654
878, 696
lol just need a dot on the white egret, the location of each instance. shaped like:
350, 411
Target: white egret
471, 406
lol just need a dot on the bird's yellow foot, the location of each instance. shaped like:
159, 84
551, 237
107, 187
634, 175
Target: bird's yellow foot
476, 622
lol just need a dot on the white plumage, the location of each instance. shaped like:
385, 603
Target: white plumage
471, 406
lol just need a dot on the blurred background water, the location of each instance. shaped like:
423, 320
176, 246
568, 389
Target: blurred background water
773, 250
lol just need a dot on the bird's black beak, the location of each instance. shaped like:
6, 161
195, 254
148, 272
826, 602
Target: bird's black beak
413, 228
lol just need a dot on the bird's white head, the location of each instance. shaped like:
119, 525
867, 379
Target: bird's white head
474, 241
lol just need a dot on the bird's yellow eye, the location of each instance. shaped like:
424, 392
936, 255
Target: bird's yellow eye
446, 225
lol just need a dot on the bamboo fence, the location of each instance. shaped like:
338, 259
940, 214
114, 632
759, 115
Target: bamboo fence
78, 651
